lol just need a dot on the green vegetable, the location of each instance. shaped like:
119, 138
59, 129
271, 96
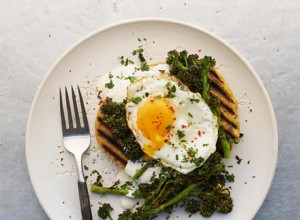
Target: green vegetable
205, 185
222, 140
141, 171
104, 211
193, 72
115, 119
98, 188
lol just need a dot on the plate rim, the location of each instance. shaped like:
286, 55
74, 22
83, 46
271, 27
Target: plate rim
163, 20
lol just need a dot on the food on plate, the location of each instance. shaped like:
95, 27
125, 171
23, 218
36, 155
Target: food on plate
167, 126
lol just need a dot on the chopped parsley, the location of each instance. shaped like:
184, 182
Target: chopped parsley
189, 114
139, 50
146, 94
171, 92
109, 85
110, 75
86, 167
131, 78
99, 95
136, 100
180, 134
126, 61
194, 100
144, 66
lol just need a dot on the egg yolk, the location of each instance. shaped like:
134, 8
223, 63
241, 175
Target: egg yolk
155, 119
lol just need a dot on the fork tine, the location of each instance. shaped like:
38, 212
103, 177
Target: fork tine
69, 109
84, 117
62, 115
75, 109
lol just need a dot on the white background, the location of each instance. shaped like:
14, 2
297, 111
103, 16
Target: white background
34, 33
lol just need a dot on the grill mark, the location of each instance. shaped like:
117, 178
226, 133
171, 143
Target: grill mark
111, 140
227, 108
215, 76
113, 154
214, 86
230, 136
223, 118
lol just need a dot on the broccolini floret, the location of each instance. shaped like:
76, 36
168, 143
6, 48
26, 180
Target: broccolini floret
115, 119
104, 211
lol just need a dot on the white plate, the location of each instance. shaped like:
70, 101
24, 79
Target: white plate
52, 168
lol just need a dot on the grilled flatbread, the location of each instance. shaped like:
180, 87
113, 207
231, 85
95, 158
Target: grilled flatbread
218, 88
229, 105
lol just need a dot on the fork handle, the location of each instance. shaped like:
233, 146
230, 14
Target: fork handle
84, 201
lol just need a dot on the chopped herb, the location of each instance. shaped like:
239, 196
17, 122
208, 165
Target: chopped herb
171, 92
99, 95
157, 97
168, 84
109, 85
131, 78
139, 50
147, 94
185, 159
136, 100
180, 134
86, 167
189, 114
144, 66
110, 76
192, 152
176, 156
194, 100
126, 61
61, 159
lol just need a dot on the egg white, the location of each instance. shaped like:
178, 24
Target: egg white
201, 129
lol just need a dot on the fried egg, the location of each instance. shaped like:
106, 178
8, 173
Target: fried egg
171, 123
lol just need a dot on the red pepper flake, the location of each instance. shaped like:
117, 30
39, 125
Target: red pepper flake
88, 81
171, 108
199, 133
183, 126
250, 110
151, 100
62, 165
166, 140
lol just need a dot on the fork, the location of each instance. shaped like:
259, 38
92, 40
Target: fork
77, 140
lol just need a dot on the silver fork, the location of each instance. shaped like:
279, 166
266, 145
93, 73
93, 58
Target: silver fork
77, 140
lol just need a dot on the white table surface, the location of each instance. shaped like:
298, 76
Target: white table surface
34, 33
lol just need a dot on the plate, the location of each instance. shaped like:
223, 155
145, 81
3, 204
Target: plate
52, 169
